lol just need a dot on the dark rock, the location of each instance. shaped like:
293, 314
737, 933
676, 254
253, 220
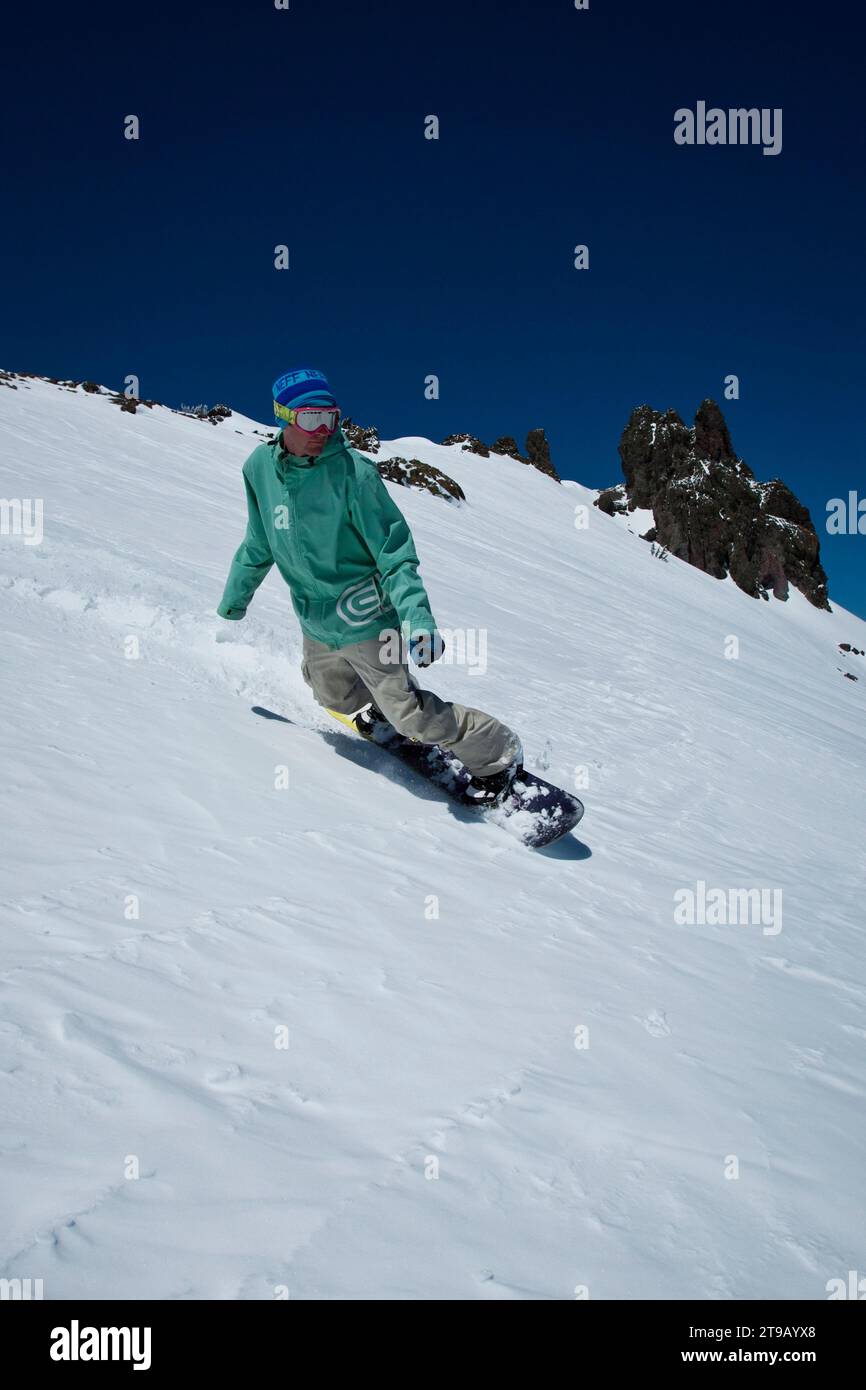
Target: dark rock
709, 510
414, 473
537, 450
470, 443
652, 447
712, 440
129, 404
613, 500
365, 438
538, 454
506, 445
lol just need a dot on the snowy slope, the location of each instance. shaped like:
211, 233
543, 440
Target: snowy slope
151, 1039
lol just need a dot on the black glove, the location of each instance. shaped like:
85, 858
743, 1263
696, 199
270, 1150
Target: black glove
425, 648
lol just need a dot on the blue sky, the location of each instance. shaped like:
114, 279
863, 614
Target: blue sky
410, 257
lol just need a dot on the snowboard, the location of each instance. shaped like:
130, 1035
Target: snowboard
535, 811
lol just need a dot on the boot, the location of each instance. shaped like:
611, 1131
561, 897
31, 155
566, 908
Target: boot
372, 724
489, 791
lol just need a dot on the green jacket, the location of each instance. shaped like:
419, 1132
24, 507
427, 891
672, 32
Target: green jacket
339, 541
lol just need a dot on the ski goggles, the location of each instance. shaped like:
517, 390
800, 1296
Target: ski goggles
308, 418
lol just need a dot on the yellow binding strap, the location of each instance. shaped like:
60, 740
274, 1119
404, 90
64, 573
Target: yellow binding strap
343, 718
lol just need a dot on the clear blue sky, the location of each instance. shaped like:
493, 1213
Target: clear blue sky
408, 257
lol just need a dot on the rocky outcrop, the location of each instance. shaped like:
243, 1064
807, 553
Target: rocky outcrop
365, 438
405, 472
414, 473
537, 450
130, 404
613, 501
470, 443
214, 414
538, 454
708, 508
508, 447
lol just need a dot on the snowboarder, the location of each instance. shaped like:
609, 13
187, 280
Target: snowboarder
320, 511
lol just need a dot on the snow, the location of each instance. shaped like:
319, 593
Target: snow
638, 521
785, 524
160, 1142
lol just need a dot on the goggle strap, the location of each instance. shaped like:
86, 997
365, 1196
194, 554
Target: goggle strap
291, 413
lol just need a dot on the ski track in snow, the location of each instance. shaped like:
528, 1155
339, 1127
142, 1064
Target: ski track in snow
414, 1041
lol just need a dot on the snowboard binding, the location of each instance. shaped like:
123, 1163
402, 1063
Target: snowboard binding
492, 790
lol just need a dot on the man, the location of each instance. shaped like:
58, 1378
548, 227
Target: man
320, 511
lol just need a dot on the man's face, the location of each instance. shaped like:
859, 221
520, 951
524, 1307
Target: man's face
301, 444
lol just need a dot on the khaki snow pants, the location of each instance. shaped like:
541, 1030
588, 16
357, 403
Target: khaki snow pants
347, 679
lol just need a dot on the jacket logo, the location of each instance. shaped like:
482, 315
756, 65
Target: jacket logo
360, 602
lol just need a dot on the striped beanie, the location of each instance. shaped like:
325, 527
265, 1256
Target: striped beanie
303, 386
